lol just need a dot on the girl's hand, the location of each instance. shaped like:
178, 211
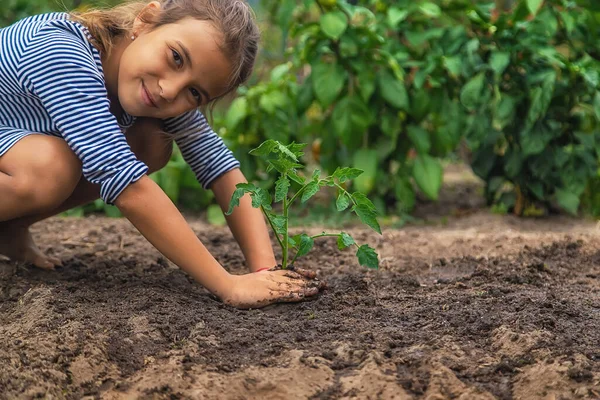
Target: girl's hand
260, 289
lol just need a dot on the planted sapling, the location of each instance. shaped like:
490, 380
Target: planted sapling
285, 160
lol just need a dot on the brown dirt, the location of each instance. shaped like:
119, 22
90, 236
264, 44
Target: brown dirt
485, 307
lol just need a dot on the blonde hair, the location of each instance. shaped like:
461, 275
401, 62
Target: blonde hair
233, 18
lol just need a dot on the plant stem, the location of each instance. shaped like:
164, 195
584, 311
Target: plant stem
324, 234
286, 242
345, 191
272, 226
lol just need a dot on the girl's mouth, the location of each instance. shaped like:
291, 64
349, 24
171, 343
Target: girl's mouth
146, 98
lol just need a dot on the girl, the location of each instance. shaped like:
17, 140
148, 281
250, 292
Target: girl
90, 104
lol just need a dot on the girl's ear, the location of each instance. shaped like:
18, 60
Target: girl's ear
147, 17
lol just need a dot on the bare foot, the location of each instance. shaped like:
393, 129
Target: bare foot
17, 244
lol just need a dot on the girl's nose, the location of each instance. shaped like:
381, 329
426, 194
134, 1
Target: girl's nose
170, 89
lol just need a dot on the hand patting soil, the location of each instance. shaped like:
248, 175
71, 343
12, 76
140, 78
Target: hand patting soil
486, 313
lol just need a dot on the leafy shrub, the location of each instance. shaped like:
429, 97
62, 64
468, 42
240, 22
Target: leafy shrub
535, 104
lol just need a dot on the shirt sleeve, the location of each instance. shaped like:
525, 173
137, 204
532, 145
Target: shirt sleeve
59, 68
200, 146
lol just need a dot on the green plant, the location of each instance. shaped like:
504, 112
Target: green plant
362, 94
285, 160
534, 103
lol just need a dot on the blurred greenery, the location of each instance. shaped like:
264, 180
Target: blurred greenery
395, 86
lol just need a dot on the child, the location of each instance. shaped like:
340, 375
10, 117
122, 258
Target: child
90, 104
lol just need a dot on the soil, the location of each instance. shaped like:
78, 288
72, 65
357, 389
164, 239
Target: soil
485, 307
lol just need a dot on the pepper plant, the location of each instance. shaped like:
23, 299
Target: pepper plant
285, 160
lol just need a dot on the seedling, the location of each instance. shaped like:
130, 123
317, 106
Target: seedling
285, 160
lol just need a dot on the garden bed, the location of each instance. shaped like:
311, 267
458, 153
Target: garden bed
484, 307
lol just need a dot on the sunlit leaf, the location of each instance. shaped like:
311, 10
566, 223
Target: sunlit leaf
333, 24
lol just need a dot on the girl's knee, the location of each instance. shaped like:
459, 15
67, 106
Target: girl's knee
48, 178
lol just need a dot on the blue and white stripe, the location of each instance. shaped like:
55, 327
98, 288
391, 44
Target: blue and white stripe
52, 82
200, 146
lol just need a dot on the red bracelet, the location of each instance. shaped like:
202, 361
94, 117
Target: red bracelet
262, 269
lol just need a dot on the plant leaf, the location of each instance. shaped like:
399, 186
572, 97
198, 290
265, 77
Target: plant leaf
310, 190
333, 24
431, 10
362, 199
296, 148
265, 148
419, 137
499, 61
344, 174
235, 199
534, 5
367, 216
342, 201
393, 90
296, 178
282, 187
428, 175
306, 245
278, 222
344, 240
367, 257
470, 94
283, 149
395, 16
568, 200
328, 81
237, 111
366, 160
597, 105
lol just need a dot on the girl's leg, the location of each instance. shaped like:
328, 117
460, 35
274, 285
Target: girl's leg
146, 139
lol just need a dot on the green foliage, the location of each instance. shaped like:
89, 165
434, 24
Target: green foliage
361, 94
534, 119
390, 86
284, 159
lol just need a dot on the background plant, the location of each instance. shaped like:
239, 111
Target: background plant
392, 86
285, 160
534, 104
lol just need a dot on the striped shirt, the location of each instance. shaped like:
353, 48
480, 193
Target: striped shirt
52, 82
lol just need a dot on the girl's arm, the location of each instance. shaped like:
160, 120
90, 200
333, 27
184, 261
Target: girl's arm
158, 220
246, 222
152, 212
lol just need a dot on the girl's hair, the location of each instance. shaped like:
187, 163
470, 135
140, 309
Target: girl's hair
233, 18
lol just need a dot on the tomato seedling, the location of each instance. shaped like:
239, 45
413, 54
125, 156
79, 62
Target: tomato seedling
285, 160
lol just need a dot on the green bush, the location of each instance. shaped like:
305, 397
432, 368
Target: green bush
534, 104
391, 86
362, 94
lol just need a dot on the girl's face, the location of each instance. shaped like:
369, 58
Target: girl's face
172, 69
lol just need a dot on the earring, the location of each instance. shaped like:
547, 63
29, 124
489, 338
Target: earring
132, 37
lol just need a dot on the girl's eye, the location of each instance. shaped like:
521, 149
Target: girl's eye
196, 94
179, 62
177, 57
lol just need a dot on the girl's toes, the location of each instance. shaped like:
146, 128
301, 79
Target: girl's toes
57, 262
41, 261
